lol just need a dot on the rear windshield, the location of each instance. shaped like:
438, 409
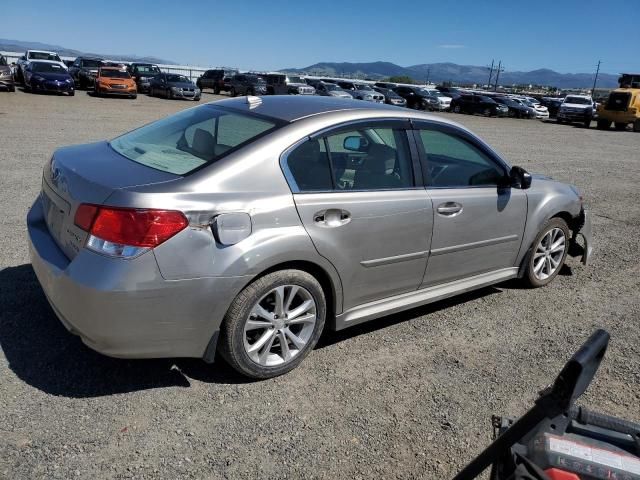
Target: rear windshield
147, 69
192, 138
177, 78
114, 74
91, 63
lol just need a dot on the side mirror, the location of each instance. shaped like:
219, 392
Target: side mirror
355, 144
520, 177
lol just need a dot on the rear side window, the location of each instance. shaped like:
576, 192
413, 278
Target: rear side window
357, 160
191, 139
455, 162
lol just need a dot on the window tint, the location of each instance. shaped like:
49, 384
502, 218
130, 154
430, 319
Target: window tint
309, 166
455, 162
370, 159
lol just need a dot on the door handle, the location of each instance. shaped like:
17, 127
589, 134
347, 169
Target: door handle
449, 209
332, 217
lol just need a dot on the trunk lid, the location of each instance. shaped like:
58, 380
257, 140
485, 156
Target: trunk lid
86, 174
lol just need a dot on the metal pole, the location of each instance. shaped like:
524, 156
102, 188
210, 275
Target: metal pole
495, 89
595, 79
490, 74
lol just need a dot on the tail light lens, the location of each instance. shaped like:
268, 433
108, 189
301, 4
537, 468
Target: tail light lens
126, 232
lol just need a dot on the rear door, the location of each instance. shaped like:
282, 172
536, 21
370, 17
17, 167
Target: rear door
361, 201
478, 223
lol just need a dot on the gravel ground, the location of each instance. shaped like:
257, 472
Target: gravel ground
407, 396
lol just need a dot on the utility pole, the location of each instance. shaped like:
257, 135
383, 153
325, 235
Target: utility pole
498, 70
490, 73
595, 79
428, 74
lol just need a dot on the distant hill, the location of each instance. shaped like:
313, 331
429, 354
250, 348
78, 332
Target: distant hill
22, 46
467, 74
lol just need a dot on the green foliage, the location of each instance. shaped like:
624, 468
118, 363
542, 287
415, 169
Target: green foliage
401, 79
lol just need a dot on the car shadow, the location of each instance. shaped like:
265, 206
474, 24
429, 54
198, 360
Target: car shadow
42, 353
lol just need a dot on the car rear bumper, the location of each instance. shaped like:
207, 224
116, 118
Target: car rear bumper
125, 308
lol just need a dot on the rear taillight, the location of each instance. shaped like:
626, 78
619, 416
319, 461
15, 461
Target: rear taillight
127, 232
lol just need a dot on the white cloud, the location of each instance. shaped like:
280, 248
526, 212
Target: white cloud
452, 45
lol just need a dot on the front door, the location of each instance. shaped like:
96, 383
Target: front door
478, 221
364, 209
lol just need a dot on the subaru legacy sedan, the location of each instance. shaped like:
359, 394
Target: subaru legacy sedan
248, 226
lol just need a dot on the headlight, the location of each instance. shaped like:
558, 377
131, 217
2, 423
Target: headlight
175, 89
368, 96
197, 90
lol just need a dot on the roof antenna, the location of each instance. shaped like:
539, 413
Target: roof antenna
253, 101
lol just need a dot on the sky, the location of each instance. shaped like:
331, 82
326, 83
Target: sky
568, 36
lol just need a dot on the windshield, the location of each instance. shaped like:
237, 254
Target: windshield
91, 63
147, 69
44, 56
192, 138
177, 78
114, 74
296, 80
361, 86
578, 100
258, 80
432, 93
331, 87
42, 67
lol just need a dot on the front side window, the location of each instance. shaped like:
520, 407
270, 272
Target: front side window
190, 139
455, 162
367, 158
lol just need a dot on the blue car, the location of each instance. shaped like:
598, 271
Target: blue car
44, 76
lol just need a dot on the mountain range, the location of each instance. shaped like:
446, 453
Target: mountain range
459, 74
21, 46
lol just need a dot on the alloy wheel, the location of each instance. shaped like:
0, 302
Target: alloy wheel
548, 253
280, 325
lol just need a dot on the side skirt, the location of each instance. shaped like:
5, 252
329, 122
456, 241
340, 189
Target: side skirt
405, 301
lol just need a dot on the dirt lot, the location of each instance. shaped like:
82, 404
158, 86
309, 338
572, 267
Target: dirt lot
408, 396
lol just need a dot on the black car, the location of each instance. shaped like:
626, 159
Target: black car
247, 84
391, 97
387, 85
552, 104
516, 109
142, 73
217, 80
417, 98
478, 104
84, 71
173, 85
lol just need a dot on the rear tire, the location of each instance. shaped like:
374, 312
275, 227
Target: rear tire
604, 124
546, 256
587, 123
233, 92
486, 112
270, 359
456, 109
620, 126
636, 125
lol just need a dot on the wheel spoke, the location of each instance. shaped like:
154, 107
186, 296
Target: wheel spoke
279, 300
264, 354
259, 311
307, 318
264, 338
256, 324
293, 291
538, 254
554, 262
284, 346
296, 340
557, 248
302, 308
548, 264
538, 266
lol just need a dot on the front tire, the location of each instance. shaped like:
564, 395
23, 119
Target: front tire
456, 109
636, 125
604, 124
548, 253
620, 126
233, 92
273, 324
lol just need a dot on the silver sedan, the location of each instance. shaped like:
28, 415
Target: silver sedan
247, 226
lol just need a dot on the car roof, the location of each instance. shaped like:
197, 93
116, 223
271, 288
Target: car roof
42, 51
290, 108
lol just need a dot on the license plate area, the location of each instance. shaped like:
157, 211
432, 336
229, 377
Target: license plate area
56, 211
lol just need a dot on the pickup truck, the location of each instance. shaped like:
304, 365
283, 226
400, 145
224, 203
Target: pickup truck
577, 109
31, 55
281, 84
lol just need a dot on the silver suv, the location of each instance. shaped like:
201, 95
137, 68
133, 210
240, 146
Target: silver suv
250, 225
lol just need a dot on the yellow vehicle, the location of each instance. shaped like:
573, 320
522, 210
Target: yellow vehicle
623, 105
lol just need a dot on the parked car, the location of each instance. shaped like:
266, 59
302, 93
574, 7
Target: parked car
281, 84
173, 85
247, 84
481, 104
361, 91
541, 112
249, 226
114, 81
6, 76
84, 71
215, 80
142, 73
452, 92
45, 76
391, 97
35, 55
387, 85
420, 99
552, 104
516, 109
577, 109
331, 90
